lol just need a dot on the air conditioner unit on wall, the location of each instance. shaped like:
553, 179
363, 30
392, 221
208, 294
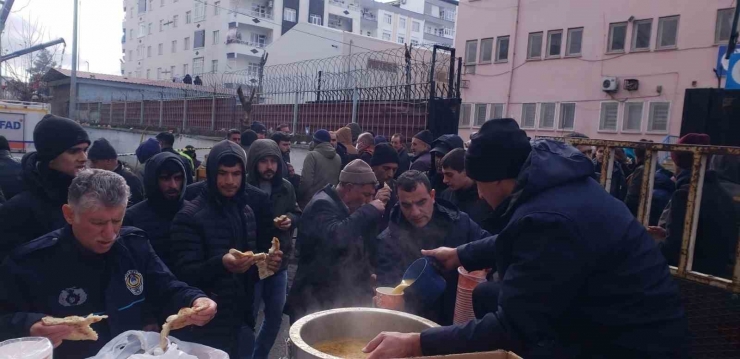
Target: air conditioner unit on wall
609, 84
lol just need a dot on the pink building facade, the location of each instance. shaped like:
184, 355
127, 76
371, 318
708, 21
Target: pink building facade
545, 63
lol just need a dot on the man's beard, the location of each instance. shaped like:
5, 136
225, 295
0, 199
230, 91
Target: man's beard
267, 173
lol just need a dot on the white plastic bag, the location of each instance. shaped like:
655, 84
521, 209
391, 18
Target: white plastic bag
135, 344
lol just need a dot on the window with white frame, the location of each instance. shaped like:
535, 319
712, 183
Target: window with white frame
465, 112
161, 3
617, 36
289, 14
575, 39
172, 71
414, 41
188, 17
175, 19
198, 65
502, 49
401, 40
142, 29
131, 34
471, 51
480, 114
161, 25
402, 23
415, 26
534, 46
497, 110
148, 51
216, 8
200, 39
388, 19
608, 118
174, 46
214, 66
216, 37
554, 43
160, 49
529, 111
449, 31
186, 44
159, 73
315, 19
130, 55
547, 115
253, 69
641, 30
386, 35
723, 27
658, 116
486, 50
185, 69
632, 117
567, 116
149, 29
258, 40
199, 12
148, 73
667, 32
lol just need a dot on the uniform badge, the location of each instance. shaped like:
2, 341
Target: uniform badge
134, 282
72, 296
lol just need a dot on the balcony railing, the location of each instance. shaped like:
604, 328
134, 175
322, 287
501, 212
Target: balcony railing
267, 14
233, 40
369, 16
345, 4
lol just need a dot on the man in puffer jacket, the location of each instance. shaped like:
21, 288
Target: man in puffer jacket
265, 167
202, 234
61, 153
320, 168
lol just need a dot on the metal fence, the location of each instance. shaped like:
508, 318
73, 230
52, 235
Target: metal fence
385, 92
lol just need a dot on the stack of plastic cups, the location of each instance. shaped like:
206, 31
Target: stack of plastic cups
26, 348
464, 302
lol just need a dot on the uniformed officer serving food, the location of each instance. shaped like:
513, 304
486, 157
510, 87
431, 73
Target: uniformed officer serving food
93, 270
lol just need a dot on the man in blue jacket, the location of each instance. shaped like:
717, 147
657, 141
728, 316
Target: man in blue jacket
422, 220
580, 277
91, 266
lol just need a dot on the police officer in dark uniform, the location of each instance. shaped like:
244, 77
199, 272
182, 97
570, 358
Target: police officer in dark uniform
91, 266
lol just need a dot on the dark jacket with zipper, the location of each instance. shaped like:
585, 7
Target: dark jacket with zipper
201, 234
282, 194
404, 162
37, 210
422, 163
134, 184
10, 175
468, 201
580, 277
155, 214
338, 252
401, 244
55, 276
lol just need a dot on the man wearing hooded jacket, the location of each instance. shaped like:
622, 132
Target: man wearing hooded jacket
202, 234
61, 152
580, 277
265, 171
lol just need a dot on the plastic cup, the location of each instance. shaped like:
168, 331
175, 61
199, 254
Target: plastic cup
385, 299
466, 283
27, 348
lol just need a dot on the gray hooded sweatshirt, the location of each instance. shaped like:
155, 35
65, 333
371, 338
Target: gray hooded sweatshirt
321, 167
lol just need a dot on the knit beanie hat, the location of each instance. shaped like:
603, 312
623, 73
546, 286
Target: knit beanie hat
321, 136
101, 150
383, 154
53, 135
685, 159
497, 151
258, 127
425, 136
147, 150
380, 139
356, 130
446, 143
248, 137
357, 172
4, 145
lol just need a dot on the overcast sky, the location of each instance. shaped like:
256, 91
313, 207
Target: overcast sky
100, 30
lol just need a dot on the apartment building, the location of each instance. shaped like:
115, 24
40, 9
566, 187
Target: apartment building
615, 70
168, 39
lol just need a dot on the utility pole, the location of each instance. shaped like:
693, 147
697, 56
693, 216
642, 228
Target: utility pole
73, 77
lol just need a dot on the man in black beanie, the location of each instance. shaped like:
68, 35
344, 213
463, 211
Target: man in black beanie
580, 277
260, 129
440, 147
421, 143
248, 137
103, 156
385, 164
61, 152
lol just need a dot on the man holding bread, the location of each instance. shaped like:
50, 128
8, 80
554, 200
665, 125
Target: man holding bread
92, 268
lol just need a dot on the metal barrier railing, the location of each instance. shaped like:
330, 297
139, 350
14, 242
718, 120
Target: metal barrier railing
691, 219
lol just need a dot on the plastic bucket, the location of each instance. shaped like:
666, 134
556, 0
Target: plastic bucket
27, 348
466, 283
428, 284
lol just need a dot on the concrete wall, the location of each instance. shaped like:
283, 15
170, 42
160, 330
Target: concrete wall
664, 75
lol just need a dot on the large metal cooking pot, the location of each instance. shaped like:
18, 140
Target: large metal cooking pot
348, 323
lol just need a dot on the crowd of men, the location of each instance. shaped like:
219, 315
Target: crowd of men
573, 273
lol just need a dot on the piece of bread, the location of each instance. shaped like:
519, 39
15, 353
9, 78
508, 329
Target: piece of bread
175, 322
280, 219
239, 254
81, 326
264, 272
